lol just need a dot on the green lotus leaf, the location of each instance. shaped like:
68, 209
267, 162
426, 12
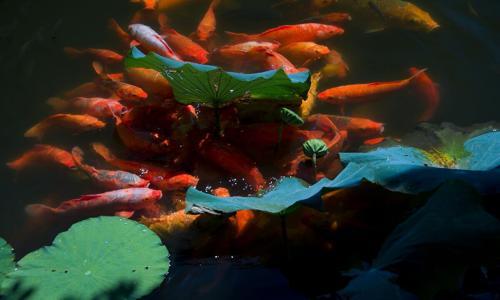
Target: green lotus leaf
290, 117
93, 257
315, 148
6, 259
210, 85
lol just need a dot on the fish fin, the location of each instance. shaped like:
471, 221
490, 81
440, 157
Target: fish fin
72, 52
125, 214
99, 70
238, 37
375, 29
88, 197
58, 104
103, 152
40, 211
416, 75
119, 31
163, 22
37, 131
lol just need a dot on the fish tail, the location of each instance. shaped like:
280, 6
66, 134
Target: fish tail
120, 32
58, 104
103, 152
99, 69
417, 74
15, 164
37, 131
238, 37
72, 52
40, 211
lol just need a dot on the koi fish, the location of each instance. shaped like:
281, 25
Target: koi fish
381, 14
286, 34
231, 160
151, 81
108, 179
208, 23
273, 60
427, 91
360, 92
152, 41
123, 35
185, 47
358, 127
148, 4
303, 53
241, 50
104, 56
374, 141
221, 192
75, 123
331, 18
123, 90
96, 107
88, 89
43, 153
334, 66
108, 203
164, 179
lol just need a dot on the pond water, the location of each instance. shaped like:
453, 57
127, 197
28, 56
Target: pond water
462, 56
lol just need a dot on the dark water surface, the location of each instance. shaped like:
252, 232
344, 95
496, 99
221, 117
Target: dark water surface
463, 56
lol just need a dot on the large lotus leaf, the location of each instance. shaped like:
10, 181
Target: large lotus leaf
92, 257
453, 218
403, 169
6, 259
203, 84
374, 285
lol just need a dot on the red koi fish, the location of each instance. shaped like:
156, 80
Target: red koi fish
358, 127
231, 160
97, 107
104, 56
152, 41
361, 92
286, 34
74, 123
272, 60
43, 154
108, 179
241, 50
185, 47
164, 179
427, 91
221, 192
122, 90
304, 53
108, 203
208, 23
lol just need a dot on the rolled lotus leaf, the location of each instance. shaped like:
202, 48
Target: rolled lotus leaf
290, 117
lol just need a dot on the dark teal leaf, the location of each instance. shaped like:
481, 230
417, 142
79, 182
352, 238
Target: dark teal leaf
203, 84
453, 218
290, 117
315, 147
6, 260
92, 257
374, 285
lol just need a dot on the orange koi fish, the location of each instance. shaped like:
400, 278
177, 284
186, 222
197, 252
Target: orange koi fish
334, 66
152, 41
108, 179
185, 47
108, 203
104, 56
231, 160
123, 90
360, 92
75, 123
123, 35
43, 154
358, 127
150, 81
164, 179
427, 91
221, 192
241, 50
88, 89
97, 107
286, 34
303, 53
208, 23
273, 60
374, 141
331, 18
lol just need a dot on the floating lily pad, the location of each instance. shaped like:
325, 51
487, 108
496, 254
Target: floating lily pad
92, 257
203, 84
6, 259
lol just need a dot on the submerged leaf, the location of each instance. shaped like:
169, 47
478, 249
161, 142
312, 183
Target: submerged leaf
210, 85
6, 260
290, 117
92, 257
315, 147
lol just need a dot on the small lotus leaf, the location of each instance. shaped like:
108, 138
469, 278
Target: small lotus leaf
290, 117
94, 256
315, 147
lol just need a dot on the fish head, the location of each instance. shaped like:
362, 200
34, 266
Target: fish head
417, 19
327, 31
